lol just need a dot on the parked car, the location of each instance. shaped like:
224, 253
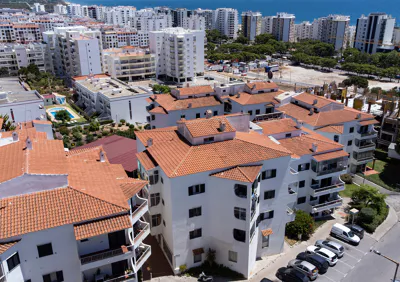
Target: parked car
326, 254
344, 233
291, 275
333, 246
358, 230
209, 78
303, 266
316, 260
244, 74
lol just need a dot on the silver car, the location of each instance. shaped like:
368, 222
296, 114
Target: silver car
303, 266
333, 246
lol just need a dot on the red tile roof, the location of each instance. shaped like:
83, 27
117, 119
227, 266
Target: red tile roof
5, 246
170, 103
261, 85
267, 232
252, 99
330, 155
278, 126
158, 110
240, 173
146, 161
205, 127
195, 90
332, 129
310, 98
130, 187
368, 122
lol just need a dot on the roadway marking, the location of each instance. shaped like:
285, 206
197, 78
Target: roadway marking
337, 270
347, 254
346, 264
327, 278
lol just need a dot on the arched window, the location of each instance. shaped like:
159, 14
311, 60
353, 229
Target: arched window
239, 235
241, 190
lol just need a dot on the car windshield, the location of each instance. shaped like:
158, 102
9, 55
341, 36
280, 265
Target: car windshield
351, 234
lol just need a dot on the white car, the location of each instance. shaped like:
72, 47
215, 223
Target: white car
326, 254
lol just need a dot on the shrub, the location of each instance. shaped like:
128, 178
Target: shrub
127, 133
131, 126
302, 225
182, 268
122, 121
79, 143
106, 121
86, 132
89, 138
64, 130
62, 115
128, 124
104, 132
366, 215
77, 136
94, 126
111, 130
119, 124
76, 129
346, 178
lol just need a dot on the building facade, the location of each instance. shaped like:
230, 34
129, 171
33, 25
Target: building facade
283, 27
226, 21
251, 24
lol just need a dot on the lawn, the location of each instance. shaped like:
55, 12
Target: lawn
389, 171
349, 188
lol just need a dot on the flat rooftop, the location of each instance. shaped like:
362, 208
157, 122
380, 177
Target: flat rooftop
10, 84
11, 91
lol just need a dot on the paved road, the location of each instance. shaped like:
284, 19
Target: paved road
374, 267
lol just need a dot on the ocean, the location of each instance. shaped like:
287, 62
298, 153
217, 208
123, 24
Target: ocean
304, 10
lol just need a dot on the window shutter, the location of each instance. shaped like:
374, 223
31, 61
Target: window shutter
60, 276
299, 168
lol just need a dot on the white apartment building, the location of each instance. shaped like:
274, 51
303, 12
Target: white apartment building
351, 128
179, 17
179, 53
150, 20
351, 33
49, 24
226, 21
267, 24
283, 27
374, 33
60, 9
303, 30
37, 8
228, 186
116, 38
334, 30
195, 22
120, 15
97, 235
129, 63
251, 24
74, 10
75, 50
97, 12
207, 15
111, 98
20, 33
396, 36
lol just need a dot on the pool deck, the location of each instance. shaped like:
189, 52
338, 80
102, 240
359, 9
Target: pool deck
71, 111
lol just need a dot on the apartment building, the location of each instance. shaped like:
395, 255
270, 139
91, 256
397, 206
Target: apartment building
251, 24
351, 128
227, 22
74, 10
129, 63
254, 173
396, 36
195, 22
149, 20
179, 53
111, 98
333, 29
207, 15
267, 24
303, 30
179, 17
283, 27
37, 8
116, 38
48, 24
374, 33
15, 56
96, 12
75, 50
389, 130
119, 15
20, 33
60, 9
97, 235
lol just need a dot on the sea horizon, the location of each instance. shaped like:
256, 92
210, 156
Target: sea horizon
300, 8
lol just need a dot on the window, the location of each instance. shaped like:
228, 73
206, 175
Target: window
239, 235
183, 116
269, 194
215, 113
301, 200
351, 130
288, 135
250, 112
153, 179
196, 189
265, 242
239, 213
257, 112
266, 215
313, 198
241, 190
198, 115
232, 256
84, 240
267, 174
162, 201
163, 222
45, 250
155, 220
350, 142
336, 138
303, 167
197, 258
162, 180
153, 117
195, 234
302, 183
154, 199
13, 262
208, 140
57, 276
195, 212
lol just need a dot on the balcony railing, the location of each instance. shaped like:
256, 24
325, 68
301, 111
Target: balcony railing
3, 279
143, 254
328, 203
317, 188
370, 133
106, 254
126, 277
367, 145
332, 170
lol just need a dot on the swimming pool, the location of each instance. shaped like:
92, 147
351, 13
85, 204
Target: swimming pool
53, 112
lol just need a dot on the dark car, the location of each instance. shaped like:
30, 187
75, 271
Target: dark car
358, 230
316, 260
291, 275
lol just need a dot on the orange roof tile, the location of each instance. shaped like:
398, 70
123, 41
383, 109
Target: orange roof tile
240, 173
1, 123
5, 246
251, 99
87, 76
278, 126
130, 187
332, 129
368, 122
158, 110
103, 226
331, 155
41, 122
170, 103
158, 135
195, 90
146, 161
310, 98
205, 127
261, 85
267, 232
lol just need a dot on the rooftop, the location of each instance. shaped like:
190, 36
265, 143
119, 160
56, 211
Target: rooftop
310, 99
251, 99
170, 103
11, 91
278, 126
206, 127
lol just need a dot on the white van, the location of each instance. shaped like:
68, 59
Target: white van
342, 232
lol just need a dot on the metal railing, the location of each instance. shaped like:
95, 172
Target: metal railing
316, 187
122, 278
137, 237
339, 200
143, 255
105, 255
366, 145
332, 170
139, 208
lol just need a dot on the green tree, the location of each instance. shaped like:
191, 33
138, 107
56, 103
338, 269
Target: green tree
62, 115
64, 130
264, 38
4, 72
302, 225
77, 136
89, 138
367, 196
94, 126
33, 69
242, 40
157, 88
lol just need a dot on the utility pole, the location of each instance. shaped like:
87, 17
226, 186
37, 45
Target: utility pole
389, 259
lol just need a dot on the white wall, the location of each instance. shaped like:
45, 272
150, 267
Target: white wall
24, 111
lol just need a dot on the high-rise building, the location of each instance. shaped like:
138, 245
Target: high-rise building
208, 17
334, 29
150, 20
179, 53
374, 33
283, 27
226, 21
267, 24
37, 7
60, 9
303, 31
119, 15
195, 22
251, 24
179, 17
396, 36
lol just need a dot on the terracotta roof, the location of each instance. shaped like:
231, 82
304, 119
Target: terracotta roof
332, 129
262, 140
278, 126
170, 103
195, 90
331, 155
103, 226
368, 122
240, 173
158, 110
146, 161
158, 135
41, 122
206, 127
198, 251
119, 150
261, 85
5, 246
310, 98
94, 76
251, 99
130, 187
267, 232
1, 123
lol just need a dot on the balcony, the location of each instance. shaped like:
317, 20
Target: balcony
139, 232
329, 166
126, 277
139, 209
331, 203
142, 253
367, 134
98, 259
363, 157
318, 190
291, 215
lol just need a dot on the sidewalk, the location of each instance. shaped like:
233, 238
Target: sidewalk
385, 226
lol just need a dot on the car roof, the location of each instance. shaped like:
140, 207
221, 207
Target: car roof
335, 244
304, 255
356, 227
341, 227
308, 265
326, 251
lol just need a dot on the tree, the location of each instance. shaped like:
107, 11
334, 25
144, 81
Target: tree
302, 225
89, 138
4, 72
264, 38
63, 115
367, 196
157, 88
77, 136
33, 69
64, 130
242, 40
94, 126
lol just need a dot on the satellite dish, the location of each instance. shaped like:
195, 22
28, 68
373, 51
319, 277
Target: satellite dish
270, 75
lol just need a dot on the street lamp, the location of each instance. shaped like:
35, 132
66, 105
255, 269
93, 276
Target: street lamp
389, 259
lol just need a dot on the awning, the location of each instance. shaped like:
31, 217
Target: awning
330, 156
266, 232
198, 251
368, 122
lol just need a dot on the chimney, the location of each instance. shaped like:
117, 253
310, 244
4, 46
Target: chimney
28, 143
187, 84
222, 126
15, 136
311, 112
315, 102
149, 142
102, 156
208, 114
314, 147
